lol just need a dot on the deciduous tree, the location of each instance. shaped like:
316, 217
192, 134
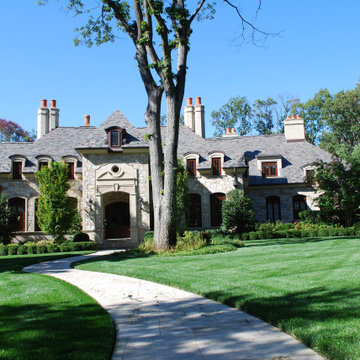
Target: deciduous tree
10, 131
263, 114
56, 213
236, 113
7, 220
157, 29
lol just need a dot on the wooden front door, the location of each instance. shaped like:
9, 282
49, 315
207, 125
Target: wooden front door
117, 217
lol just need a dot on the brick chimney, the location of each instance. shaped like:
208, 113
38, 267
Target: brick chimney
86, 120
54, 116
294, 129
42, 119
230, 132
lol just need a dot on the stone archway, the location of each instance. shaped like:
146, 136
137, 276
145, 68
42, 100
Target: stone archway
116, 215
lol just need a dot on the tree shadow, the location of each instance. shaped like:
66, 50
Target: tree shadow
45, 331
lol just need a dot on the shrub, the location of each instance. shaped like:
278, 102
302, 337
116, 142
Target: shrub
3, 250
52, 248
12, 249
245, 236
89, 245
237, 213
305, 233
253, 235
323, 232
21, 250
310, 216
191, 240
30, 247
149, 235
80, 237
7, 220
65, 246
41, 249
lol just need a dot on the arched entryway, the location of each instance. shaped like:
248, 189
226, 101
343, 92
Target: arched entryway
117, 215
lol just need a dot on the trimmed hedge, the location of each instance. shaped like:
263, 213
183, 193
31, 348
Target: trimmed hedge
298, 230
43, 247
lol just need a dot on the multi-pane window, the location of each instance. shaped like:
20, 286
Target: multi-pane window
193, 215
115, 138
273, 211
299, 204
18, 206
215, 208
269, 169
191, 166
310, 176
17, 170
71, 170
216, 166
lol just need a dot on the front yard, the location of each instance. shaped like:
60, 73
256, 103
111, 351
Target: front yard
45, 318
307, 287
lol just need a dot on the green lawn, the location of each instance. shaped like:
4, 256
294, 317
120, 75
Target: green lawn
308, 287
45, 318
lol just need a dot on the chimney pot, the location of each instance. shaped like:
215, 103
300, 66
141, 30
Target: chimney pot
189, 101
227, 131
288, 117
233, 131
43, 103
294, 117
298, 117
87, 120
198, 101
53, 103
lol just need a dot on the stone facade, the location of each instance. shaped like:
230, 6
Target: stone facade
111, 171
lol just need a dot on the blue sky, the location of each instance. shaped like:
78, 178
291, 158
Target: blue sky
319, 47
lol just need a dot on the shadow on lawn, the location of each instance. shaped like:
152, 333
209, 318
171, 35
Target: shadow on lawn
313, 315
41, 331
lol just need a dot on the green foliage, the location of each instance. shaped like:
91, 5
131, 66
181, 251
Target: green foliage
263, 114
237, 213
191, 240
7, 220
21, 250
56, 212
3, 250
342, 115
313, 112
340, 183
310, 216
12, 249
236, 113
182, 190
30, 247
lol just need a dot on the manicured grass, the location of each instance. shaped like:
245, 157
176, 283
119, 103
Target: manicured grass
45, 318
308, 287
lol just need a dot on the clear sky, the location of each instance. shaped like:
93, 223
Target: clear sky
319, 47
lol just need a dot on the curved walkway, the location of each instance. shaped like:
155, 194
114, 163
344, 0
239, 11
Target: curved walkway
154, 321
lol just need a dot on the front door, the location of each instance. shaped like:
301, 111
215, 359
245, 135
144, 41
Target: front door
117, 218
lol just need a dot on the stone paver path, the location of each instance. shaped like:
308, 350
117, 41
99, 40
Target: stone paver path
160, 322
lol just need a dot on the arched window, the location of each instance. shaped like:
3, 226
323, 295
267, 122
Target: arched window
216, 200
18, 205
273, 210
299, 204
193, 216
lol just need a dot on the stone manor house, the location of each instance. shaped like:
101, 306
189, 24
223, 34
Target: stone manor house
109, 172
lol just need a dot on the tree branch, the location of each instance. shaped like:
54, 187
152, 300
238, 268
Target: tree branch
200, 5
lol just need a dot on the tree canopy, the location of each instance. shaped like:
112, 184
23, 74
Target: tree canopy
160, 32
11, 131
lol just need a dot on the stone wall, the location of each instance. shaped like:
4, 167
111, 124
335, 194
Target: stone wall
259, 194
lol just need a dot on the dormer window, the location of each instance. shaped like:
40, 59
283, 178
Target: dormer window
43, 160
70, 161
17, 170
191, 166
17, 166
269, 165
216, 165
42, 164
269, 169
116, 137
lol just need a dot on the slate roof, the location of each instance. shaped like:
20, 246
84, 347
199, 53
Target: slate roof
240, 151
